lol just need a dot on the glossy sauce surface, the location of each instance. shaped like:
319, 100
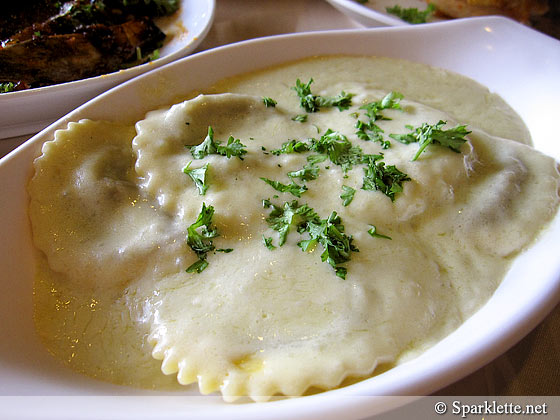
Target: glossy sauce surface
111, 207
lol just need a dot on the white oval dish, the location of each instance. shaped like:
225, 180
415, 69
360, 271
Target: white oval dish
516, 62
374, 13
29, 111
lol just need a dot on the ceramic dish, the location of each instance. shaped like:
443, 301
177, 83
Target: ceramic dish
29, 111
374, 12
514, 61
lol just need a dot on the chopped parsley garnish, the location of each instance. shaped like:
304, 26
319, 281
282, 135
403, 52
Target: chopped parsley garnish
331, 145
292, 188
267, 241
312, 103
369, 131
281, 219
428, 134
224, 250
198, 176
308, 173
209, 146
373, 232
201, 242
329, 232
387, 179
339, 150
292, 146
389, 101
269, 102
347, 195
412, 14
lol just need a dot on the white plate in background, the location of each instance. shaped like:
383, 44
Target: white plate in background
374, 12
31, 110
518, 63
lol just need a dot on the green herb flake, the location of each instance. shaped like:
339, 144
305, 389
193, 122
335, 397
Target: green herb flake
428, 134
308, 173
201, 242
292, 146
329, 233
387, 179
412, 14
337, 246
281, 219
338, 149
224, 250
312, 103
347, 195
6, 87
198, 176
369, 131
293, 188
373, 232
209, 146
269, 102
267, 241
301, 118
389, 101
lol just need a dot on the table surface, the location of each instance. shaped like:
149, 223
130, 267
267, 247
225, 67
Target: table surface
529, 368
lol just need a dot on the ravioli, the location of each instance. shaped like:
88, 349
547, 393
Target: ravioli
264, 317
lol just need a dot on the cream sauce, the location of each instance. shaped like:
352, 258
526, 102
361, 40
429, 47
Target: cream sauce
110, 208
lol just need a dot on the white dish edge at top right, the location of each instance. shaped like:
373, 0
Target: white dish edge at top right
376, 13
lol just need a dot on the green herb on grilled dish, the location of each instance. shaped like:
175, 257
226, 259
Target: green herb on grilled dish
269, 102
209, 146
198, 175
163, 7
347, 195
387, 179
199, 238
293, 188
373, 232
412, 14
154, 55
312, 103
7, 87
428, 134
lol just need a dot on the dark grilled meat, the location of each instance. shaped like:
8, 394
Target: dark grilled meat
98, 49
81, 39
17, 15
